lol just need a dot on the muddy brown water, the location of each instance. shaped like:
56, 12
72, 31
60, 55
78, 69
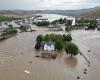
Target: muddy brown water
18, 51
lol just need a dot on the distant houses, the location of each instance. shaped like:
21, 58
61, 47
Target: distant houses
98, 22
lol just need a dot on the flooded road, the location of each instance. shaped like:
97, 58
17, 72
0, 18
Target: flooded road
17, 55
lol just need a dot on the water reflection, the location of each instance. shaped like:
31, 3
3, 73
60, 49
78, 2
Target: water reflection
71, 61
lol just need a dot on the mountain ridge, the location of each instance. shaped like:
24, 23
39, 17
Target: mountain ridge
89, 13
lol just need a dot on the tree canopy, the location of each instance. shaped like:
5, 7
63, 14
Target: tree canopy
71, 49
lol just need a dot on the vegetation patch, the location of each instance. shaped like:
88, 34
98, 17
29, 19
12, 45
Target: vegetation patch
43, 23
8, 32
61, 42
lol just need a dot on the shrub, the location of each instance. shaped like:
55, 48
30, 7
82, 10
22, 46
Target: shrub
67, 28
10, 26
23, 28
68, 23
39, 38
67, 38
43, 23
9, 32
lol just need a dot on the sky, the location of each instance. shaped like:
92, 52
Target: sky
47, 4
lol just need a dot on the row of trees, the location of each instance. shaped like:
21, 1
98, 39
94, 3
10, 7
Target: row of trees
61, 42
54, 37
7, 18
43, 23
63, 21
90, 23
8, 31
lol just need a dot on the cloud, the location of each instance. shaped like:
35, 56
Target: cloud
48, 4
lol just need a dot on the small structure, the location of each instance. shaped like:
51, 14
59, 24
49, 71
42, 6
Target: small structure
98, 23
48, 46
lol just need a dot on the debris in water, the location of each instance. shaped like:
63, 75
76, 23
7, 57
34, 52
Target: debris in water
21, 53
89, 50
88, 65
30, 62
85, 69
37, 56
85, 73
26, 71
78, 77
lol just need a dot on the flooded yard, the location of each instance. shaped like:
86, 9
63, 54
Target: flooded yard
18, 61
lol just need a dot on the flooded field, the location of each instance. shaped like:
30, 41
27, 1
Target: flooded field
89, 43
18, 61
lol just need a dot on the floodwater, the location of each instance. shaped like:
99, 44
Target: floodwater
53, 17
18, 61
90, 40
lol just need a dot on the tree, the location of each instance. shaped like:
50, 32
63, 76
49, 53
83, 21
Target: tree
67, 29
68, 23
10, 26
68, 38
39, 38
23, 28
59, 45
38, 46
43, 23
71, 49
92, 24
47, 37
9, 31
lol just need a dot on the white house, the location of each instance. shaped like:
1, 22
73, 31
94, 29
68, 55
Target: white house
49, 46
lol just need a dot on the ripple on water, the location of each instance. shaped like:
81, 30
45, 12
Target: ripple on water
4, 58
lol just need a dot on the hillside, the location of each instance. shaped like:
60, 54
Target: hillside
88, 13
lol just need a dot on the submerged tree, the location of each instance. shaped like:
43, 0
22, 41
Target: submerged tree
23, 28
71, 49
68, 38
59, 45
38, 46
67, 29
39, 38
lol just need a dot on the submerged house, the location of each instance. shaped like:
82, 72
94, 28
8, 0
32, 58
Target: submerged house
48, 45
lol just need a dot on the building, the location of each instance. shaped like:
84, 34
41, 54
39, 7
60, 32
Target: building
98, 22
48, 46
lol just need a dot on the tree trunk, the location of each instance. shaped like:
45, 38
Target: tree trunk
71, 55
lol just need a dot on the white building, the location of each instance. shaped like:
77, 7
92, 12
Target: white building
98, 22
49, 46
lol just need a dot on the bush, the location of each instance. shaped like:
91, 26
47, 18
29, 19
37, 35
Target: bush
71, 49
9, 32
68, 23
92, 24
98, 28
67, 38
23, 28
10, 26
43, 23
67, 28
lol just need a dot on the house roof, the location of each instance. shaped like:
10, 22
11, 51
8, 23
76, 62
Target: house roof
49, 43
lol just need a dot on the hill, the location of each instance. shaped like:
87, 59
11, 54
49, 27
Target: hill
86, 13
